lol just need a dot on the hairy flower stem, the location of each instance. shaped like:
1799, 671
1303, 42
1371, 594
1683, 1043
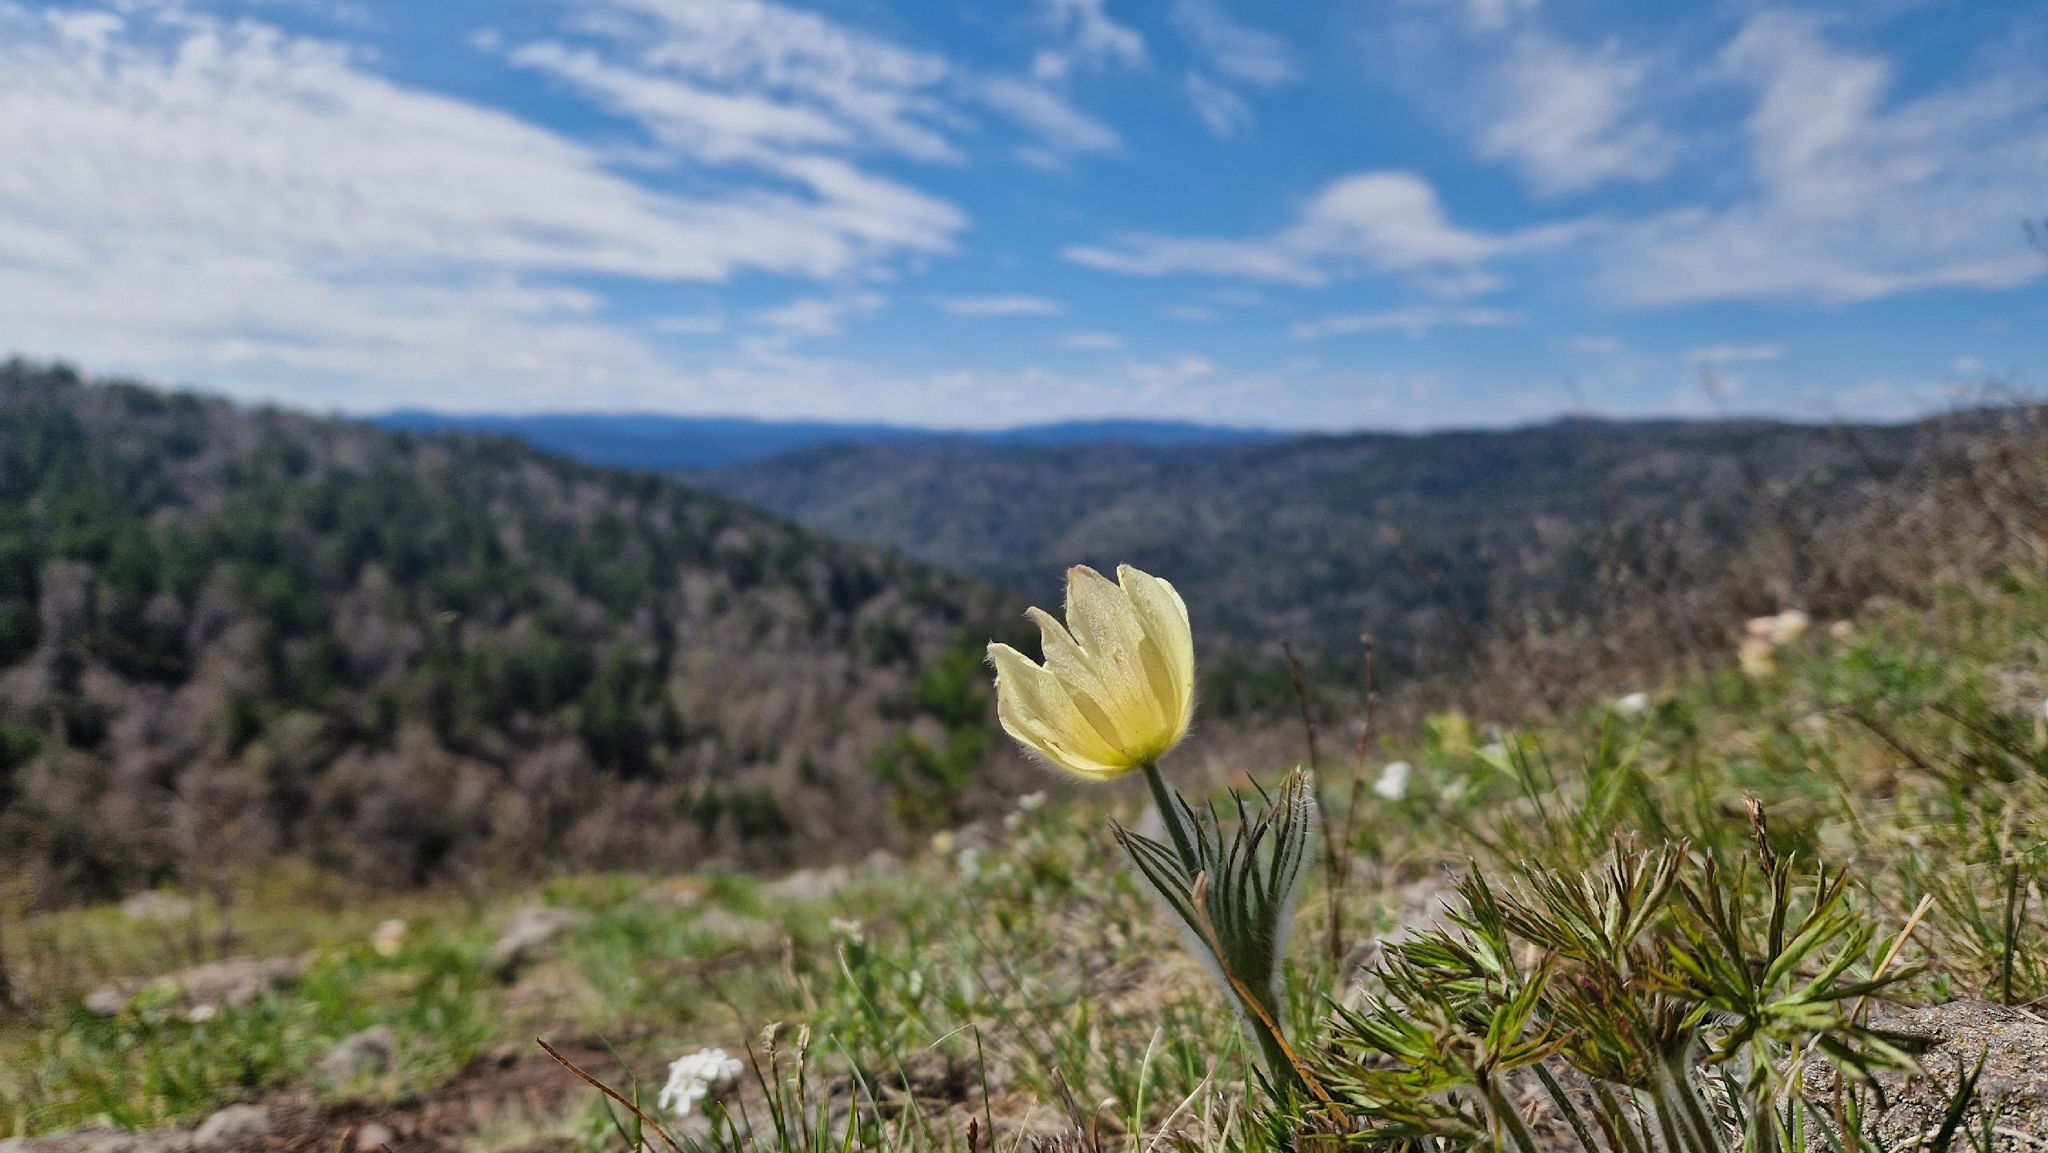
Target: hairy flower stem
1170, 812
1281, 1062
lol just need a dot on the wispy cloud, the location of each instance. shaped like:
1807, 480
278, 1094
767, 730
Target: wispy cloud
1085, 35
1220, 109
1231, 47
1857, 196
1734, 354
1416, 322
1000, 306
1092, 341
302, 213
809, 317
1378, 221
1566, 118
1061, 129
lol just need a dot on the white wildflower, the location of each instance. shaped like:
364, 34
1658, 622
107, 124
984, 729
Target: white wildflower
1393, 782
202, 1013
1031, 802
692, 1078
1789, 626
1757, 656
1843, 630
968, 861
849, 930
1633, 704
388, 938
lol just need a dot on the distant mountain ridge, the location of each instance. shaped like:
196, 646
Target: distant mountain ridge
662, 442
1554, 555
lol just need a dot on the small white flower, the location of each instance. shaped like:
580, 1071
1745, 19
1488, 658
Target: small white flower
1757, 656
692, 1078
1393, 782
388, 939
1031, 802
1632, 704
968, 861
1789, 626
1843, 630
848, 929
200, 1014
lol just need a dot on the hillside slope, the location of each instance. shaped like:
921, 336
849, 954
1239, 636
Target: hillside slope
1456, 550
228, 636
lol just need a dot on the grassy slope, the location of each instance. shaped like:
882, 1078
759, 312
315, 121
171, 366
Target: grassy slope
1913, 752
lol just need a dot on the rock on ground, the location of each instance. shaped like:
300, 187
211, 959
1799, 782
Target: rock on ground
2013, 1045
232, 1125
527, 938
363, 1054
228, 984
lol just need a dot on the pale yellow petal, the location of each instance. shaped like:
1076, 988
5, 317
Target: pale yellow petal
1036, 709
1170, 656
1079, 675
1103, 620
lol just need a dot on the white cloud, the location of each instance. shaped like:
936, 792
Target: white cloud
192, 197
1162, 379
1236, 50
809, 317
1000, 306
1092, 341
1061, 128
1087, 35
1378, 221
1220, 109
1734, 354
1485, 15
757, 50
1564, 118
1416, 322
1856, 196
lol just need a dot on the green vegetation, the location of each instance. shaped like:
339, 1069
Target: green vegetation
1624, 939
229, 635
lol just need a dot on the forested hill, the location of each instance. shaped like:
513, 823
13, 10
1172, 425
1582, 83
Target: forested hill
228, 636
1540, 553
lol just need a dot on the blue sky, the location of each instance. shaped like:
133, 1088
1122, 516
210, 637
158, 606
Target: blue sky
1369, 213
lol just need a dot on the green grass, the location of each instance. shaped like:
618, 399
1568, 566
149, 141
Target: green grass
1040, 980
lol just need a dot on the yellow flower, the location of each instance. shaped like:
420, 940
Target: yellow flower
1117, 688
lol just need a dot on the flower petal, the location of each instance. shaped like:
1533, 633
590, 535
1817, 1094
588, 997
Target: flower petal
1036, 709
1079, 675
1170, 655
1103, 620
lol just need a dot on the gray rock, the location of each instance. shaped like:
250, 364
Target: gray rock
228, 984
364, 1054
232, 1125
102, 1139
374, 1136
809, 884
2014, 1048
157, 906
737, 929
532, 931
